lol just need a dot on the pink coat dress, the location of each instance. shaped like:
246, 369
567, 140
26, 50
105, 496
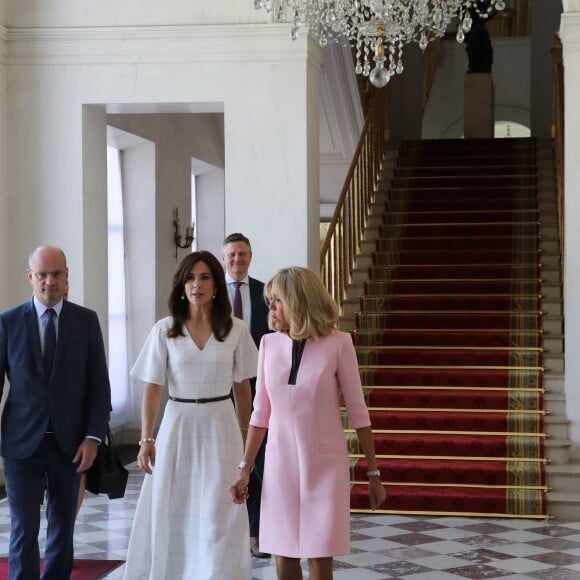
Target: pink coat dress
305, 510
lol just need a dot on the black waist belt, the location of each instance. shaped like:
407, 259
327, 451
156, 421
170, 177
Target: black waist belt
200, 401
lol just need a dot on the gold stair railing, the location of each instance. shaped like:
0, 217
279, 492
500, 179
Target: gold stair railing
558, 136
342, 243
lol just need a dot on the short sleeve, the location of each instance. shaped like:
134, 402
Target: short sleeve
151, 364
245, 354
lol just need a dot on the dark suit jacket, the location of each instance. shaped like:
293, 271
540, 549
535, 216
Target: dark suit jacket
77, 396
259, 323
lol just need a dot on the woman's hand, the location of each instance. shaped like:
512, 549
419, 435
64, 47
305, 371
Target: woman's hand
239, 489
146, 456
377, 492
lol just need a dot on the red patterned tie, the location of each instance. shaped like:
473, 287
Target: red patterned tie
238, 311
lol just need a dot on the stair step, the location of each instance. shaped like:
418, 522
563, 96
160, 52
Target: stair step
378, 303
562, 505
453, 500
444, 471
454, 356
548, 291
475, 182
441, 319
554, 382
495, 169
465, 229
443, 257
553, 362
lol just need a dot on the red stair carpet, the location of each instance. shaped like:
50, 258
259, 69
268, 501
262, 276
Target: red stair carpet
449, 334
82, 569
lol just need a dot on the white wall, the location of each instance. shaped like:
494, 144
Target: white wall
90, 282
211, 213
62, 13
570, 34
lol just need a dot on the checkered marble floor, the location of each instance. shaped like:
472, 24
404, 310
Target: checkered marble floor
382, 546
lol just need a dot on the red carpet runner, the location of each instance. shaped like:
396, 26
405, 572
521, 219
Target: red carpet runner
449, 334
82, 569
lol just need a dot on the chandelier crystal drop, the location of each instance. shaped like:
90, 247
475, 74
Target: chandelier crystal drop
378, 30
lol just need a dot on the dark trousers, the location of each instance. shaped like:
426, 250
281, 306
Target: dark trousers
26, 480
255, 491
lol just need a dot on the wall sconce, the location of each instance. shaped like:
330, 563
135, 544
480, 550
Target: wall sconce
189, 230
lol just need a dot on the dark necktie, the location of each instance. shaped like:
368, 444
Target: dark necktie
238, 310
49, 341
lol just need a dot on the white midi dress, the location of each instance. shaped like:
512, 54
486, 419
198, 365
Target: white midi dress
186, 526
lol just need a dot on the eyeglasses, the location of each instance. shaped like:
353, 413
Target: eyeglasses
57, 274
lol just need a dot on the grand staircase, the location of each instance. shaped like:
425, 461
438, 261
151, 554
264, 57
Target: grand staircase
456, 315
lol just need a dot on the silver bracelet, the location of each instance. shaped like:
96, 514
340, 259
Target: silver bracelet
374, 472
147, 440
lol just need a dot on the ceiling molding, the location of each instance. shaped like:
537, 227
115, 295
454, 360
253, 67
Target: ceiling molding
158, 44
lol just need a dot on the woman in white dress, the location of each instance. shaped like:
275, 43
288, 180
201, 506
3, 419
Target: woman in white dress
185, 527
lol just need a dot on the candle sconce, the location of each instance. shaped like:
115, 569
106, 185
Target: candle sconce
177, 237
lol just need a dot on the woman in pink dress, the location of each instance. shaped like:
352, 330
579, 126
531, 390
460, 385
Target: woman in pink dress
303, 369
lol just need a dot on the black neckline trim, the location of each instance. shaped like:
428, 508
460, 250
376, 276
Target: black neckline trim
297, 350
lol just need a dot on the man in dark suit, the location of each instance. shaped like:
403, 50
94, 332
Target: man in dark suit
236, 256
55, 415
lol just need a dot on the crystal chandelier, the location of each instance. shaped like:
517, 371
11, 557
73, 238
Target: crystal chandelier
378, 29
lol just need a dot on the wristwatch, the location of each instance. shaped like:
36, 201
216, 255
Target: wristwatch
244, 465
375, 472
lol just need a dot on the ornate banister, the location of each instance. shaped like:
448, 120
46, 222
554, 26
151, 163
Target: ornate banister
342, 243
